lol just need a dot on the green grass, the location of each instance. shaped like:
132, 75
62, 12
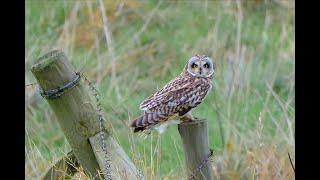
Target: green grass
152, 42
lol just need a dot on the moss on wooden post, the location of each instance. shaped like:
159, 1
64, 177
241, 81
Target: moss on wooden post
194, 137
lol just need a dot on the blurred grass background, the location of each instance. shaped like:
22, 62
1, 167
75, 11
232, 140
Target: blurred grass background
250, 110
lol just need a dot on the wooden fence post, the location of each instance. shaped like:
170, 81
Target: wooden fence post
78, 118
194, 137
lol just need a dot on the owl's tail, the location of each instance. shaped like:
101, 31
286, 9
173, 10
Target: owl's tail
146, 121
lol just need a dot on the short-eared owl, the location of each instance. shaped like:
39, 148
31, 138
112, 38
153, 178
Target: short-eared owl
175, 100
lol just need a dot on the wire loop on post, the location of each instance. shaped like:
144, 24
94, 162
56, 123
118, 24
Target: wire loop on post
55, 93
203, 164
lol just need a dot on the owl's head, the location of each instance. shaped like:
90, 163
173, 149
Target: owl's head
200, 66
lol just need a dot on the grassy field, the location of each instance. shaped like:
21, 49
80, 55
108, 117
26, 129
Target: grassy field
251, 109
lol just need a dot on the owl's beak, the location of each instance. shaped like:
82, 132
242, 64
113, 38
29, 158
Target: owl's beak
200, 71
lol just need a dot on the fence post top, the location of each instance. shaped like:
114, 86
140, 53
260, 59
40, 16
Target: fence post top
194, 122
47, 59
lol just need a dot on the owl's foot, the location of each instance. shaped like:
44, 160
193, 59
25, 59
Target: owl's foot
196, 118
187, 118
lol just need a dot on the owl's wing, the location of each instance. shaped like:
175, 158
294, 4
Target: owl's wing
157, 98
189, 95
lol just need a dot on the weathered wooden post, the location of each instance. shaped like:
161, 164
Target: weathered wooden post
79, 120
194, 135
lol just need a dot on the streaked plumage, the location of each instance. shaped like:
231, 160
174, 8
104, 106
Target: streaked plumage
179, 96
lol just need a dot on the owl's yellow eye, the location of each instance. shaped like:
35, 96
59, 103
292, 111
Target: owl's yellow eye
194, 65
206, 65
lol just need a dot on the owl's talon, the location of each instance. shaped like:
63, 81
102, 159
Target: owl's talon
186, 119
196, 118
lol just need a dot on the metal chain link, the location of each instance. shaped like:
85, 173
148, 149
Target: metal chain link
102, 136
202, 164
140, 175
101, 126
57, 92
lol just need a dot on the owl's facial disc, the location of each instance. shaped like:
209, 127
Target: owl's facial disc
200, 66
